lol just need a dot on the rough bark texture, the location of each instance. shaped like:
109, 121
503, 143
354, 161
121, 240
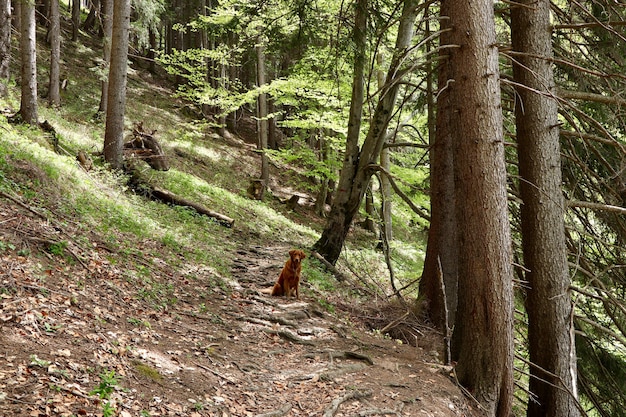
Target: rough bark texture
75, 19
54, 96
5, 45
107, 29
483, 333
356, 170
442, 250
28, 103
116, 96
262, 113
548, 301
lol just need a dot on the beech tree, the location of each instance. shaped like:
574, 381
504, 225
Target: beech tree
28, 54
482, 341
359, 160
116, 94
5, 45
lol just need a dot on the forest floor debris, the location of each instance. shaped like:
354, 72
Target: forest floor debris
85, 338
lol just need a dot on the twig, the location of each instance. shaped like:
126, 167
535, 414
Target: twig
224, 377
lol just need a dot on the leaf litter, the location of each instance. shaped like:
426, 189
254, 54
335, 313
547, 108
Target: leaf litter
74, 330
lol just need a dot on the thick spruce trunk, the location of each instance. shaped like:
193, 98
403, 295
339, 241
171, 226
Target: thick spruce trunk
482, 342
548, 303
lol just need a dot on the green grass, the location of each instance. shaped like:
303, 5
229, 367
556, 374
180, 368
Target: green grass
204, 169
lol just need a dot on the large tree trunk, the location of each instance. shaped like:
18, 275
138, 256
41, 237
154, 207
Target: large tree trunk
5, 45
107, 30
483, 333
28, 52
116, 97
442, 250
548, 303
356, 171
54, 96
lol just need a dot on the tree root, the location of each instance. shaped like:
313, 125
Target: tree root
289, 336
332, 409
283, 411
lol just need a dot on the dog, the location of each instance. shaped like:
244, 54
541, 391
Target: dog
288, 282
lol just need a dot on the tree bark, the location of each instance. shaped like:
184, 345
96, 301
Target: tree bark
442, 249
75, 19
54, 96
5, 45
116, 95
28, 52
482, 342
262, 113
548, 301
343, 208
107, 29
356, 170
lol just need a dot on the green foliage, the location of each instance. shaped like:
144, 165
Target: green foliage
108, 382
317, 276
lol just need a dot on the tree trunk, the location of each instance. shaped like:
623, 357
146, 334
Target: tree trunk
342, 210
483, 334
356, 170
28, 53
262, 113
107, 29
54, 97
92, 19
75, 19
5, 45
548, 302
385, 163
116, 97
442, 249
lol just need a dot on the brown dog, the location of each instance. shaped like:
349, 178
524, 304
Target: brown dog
289, 280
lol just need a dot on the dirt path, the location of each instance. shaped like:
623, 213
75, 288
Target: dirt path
71, 332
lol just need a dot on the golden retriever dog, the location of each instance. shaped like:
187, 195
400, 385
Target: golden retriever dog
289, 280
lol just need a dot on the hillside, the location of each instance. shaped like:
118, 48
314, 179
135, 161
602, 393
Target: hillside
114, 304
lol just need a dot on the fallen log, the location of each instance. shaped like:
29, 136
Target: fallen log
171, 198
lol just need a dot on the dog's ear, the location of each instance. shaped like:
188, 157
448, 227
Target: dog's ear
292, 252
303, 254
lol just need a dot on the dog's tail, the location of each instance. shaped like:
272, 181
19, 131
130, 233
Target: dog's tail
266, 290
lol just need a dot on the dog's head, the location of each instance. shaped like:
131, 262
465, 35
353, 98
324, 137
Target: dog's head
296, 256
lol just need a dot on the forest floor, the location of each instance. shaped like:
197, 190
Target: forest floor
74, 328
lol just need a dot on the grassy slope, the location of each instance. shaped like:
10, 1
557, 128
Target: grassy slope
204, 168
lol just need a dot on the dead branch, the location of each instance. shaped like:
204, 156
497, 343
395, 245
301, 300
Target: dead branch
333, 270
171, 198
332, 409
417, 210
144, 146
596, 206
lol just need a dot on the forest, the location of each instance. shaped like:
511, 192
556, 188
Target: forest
455, 172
